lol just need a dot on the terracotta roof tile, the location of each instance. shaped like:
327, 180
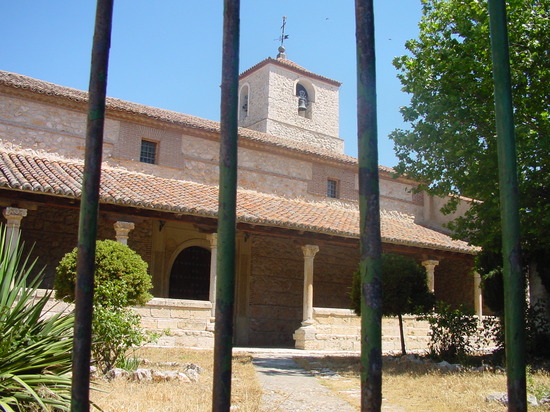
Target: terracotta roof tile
46, 173
289, 64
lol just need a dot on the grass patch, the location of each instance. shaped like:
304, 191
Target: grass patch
122, 395
418, 387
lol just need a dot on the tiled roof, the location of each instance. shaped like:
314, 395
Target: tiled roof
18, 81
50, 174
289, 64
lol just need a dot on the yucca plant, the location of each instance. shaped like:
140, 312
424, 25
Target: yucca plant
35, 348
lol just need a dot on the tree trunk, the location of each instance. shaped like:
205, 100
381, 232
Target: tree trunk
401, 335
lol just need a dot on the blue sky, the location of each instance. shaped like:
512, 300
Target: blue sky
167, 53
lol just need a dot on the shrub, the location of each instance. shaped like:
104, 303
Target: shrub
35, 350
115, 330
120, 273
453, 332
537, 333
121, 280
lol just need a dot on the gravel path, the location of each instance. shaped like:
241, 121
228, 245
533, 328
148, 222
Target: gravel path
289, 388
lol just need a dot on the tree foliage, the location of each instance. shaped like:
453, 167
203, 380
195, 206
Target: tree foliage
451, 144
404, 289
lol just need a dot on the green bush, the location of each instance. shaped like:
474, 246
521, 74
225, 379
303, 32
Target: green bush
121, 280
537, 334
115, 330
454, 332
117, 269
35, 350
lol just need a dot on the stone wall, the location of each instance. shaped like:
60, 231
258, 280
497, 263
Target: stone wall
50, 128
340, 329
273, 108
187, 323
322, 129
178, 322
47, 127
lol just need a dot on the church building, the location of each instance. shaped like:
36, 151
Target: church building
297, 206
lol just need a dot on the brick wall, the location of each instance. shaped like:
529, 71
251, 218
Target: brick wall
333, 271
50, 232
169, 147
454, 283
276, 289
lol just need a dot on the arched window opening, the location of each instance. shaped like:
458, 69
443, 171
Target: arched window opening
304, 102
190, 274
243, 102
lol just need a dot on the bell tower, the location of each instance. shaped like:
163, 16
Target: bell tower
279, 97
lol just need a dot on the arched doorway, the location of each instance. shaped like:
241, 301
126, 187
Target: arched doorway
190, 274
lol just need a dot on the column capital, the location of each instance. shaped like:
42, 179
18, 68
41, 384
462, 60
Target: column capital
122, 229
213, 239
430, 263
14, 213
120, 225
310, 250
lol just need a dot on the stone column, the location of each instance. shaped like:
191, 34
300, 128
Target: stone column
213, 238
305, 335
13, 217
478, 297
309, 254
430, 271
122, 229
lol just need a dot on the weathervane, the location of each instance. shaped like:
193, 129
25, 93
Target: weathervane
283, 37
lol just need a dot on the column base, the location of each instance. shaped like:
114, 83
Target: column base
211, 324
304, 336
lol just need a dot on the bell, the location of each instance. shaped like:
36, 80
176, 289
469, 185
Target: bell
302, 104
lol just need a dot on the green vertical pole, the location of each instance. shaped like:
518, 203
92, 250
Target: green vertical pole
514, 288
87, 228
225, 287
369, 208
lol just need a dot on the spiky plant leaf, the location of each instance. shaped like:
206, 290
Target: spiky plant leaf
35, 348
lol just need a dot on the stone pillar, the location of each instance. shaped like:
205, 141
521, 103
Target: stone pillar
213, 238
478, 297
13, 217
309, 255
304, 336
122, 229
430, 272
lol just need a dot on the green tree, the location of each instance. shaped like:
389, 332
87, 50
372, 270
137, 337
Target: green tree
404, 290
451, 145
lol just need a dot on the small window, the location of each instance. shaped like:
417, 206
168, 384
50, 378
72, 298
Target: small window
148, 152
332, 188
